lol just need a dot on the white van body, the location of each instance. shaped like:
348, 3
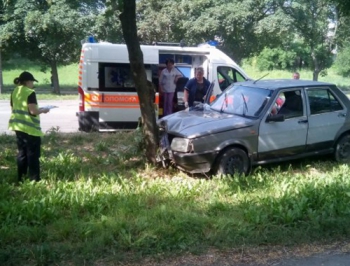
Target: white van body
108, 97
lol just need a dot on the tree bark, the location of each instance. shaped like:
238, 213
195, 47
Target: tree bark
144, 88
316, 70
1, 80
54, 73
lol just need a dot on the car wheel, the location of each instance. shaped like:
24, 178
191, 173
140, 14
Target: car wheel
233, 161
342, 149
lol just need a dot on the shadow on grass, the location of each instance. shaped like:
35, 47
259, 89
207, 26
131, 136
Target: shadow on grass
84, 211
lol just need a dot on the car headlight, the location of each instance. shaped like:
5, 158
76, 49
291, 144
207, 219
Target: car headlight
180, 144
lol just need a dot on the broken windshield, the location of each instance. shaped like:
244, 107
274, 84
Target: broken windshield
241, 100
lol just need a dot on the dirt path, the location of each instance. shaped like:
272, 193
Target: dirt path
336, 254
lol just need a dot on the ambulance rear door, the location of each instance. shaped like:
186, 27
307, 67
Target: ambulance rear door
119, 104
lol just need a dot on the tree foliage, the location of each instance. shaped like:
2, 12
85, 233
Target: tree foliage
342, 61
234, 23
343, 6
310, 19
47, 32
276, 58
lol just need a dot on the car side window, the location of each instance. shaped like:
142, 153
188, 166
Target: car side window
292, 105
322, 100
227, 75
239, 77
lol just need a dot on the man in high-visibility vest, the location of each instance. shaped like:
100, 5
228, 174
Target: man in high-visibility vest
25, 121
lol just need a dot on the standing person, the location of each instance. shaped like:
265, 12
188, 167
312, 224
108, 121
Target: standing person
196, 88
25, 121
296, 75
168, 79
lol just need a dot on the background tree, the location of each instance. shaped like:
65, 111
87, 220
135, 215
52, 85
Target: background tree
343, 6
310, 19
144, 88
48, 32
233, 23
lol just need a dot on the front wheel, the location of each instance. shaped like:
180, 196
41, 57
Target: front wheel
233, 161
342, 149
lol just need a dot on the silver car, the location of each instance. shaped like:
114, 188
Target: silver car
258, 122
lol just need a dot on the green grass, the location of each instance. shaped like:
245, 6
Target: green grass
332, 77
100, 202
68, 78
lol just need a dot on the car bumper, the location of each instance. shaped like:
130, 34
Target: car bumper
194, 162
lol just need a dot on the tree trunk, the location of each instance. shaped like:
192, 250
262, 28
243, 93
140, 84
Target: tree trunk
55, 81
1, 80
144, 88
317, 69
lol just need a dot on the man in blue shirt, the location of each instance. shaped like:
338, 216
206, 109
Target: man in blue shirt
196, 88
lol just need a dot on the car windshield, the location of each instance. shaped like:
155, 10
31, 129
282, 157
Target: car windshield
242, 100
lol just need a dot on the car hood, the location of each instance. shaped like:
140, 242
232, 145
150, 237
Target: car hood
191, 124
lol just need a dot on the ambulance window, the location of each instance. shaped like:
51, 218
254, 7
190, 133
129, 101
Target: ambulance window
185, 71
118, 77
227, 75
239, 77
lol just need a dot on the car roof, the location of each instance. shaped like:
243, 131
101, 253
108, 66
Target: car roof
273, 84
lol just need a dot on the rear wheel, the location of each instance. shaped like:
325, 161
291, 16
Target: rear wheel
233, 161
342, 149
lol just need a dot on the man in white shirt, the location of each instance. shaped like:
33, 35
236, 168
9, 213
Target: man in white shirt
296, 75
167, 84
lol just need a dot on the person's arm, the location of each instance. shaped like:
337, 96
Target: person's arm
177, 76
161, 89
207, 85
187, 92
33, 106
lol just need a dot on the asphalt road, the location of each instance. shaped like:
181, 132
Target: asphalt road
62, 117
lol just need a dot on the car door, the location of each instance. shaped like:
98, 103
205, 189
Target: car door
285, 138
227, 75
327, 116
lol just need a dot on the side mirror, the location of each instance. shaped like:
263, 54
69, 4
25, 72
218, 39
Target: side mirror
275, 118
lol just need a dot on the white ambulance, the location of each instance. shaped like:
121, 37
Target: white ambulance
107, 93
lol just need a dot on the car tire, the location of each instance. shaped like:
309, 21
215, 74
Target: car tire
233, 161
342, 149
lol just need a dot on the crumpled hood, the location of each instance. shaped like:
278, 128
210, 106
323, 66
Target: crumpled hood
191, 124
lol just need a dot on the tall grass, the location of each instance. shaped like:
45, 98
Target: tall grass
99, 201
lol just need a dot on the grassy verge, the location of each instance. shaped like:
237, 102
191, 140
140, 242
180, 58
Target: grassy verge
100, 202
68, 78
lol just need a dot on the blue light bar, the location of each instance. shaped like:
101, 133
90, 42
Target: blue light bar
213, 43
91, 39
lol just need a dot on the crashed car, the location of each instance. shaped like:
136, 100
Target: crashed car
258, 122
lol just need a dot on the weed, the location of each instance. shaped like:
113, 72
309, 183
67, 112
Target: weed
99, 200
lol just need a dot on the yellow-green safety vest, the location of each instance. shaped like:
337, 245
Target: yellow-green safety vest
20, 119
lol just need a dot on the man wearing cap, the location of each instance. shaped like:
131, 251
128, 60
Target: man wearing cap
25, 121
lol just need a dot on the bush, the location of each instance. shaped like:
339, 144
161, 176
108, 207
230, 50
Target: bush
342, 62
276, 58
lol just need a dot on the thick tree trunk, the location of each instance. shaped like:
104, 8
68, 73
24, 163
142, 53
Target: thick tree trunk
55, 80
1, 80
144, 88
